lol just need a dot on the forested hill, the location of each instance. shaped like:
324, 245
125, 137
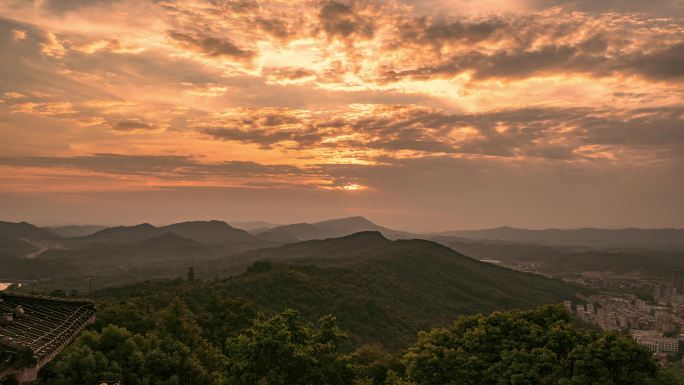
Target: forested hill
186, 332
272, 324
382, 291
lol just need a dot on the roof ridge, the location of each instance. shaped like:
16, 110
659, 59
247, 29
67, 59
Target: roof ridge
9, 342
48, 298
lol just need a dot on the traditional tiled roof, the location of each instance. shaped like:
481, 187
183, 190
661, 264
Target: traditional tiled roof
39, 327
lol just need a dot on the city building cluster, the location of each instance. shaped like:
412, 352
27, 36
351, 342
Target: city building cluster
658, 325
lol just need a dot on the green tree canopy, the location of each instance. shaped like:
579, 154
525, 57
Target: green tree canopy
284, 350
534, 347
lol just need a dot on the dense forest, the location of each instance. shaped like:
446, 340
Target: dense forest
192, 332
381, 291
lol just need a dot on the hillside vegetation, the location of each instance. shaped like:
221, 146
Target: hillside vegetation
381, 291
195, 333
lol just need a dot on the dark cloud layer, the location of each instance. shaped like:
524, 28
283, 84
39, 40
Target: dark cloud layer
60, 7
131, 124
667, 63
339, 19
209, 45
168, 166
437, 33
263, 138
591, 50
553, 133
661, 8
505, 46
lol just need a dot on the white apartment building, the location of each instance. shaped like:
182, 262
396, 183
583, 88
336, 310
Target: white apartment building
656, 342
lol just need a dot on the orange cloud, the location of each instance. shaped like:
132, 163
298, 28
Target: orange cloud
13, 95
18, 34
53, 46
303, 84
45, 109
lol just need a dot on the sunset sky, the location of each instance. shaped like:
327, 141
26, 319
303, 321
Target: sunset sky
420, 115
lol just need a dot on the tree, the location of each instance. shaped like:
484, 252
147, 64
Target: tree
284, 350
535, 347
374, 364
612, 359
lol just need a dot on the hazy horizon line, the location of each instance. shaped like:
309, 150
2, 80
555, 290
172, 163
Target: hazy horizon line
237, 223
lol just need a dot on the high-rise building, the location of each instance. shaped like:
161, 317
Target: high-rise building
678, 281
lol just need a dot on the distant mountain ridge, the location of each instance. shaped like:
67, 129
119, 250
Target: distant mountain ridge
74, 230
22, 239
199, 231
209, 232
668, 238
254, 226
26, 231
124, 234
27, 251
568, 261
328, 229
159, 252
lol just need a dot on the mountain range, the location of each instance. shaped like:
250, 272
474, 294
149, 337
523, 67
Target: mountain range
219, 232
199, 231
74, 230
566, 261
126, 253
381, 290
660, 239
26, 231
327, 229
